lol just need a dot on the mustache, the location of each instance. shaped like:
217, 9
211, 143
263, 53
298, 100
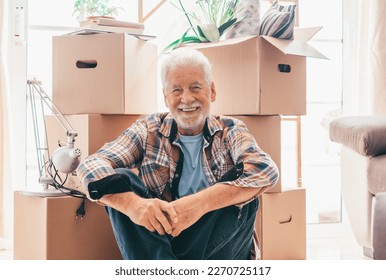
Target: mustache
193, 105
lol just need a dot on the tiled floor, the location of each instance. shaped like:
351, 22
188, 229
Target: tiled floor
6, 255
332, 242
324, 242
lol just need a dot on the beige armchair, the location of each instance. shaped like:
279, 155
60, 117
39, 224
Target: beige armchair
363, 178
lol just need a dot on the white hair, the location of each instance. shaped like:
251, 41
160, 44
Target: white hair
186, 57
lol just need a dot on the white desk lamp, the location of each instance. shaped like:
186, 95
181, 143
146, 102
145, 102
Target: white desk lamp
65, 159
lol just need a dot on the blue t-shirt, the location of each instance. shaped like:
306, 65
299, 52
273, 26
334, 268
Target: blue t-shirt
192, 177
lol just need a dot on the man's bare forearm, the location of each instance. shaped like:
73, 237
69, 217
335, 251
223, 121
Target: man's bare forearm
220, 196
223, 195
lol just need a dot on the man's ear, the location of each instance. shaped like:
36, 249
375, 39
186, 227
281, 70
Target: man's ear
165, 99
212, 92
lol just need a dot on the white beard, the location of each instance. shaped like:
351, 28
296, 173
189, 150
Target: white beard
191, 123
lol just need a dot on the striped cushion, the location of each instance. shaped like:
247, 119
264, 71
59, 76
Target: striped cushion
279, 21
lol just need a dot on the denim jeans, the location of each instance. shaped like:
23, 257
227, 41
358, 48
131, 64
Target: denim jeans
226, 233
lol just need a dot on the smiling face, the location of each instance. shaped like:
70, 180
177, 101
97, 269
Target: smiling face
188, 97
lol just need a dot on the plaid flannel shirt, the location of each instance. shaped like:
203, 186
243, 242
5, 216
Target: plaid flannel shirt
151, 145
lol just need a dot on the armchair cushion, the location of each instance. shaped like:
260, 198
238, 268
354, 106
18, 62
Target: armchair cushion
364, 134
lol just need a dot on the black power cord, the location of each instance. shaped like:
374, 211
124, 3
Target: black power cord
81, 211
59, 184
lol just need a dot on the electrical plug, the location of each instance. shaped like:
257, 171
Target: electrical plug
81, 211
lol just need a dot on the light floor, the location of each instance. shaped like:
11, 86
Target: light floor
324, 242
332, 242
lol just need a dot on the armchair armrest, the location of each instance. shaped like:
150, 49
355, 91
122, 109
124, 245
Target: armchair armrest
364, 134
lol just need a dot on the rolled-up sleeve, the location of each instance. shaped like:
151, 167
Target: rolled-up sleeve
259, 168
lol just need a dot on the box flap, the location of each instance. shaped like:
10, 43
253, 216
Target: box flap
305, 33
294, 47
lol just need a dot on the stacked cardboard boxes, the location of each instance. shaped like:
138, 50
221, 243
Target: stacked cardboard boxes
102, 83
258, 80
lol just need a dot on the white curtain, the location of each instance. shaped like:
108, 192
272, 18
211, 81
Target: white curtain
1, 117
364, 40
5, 189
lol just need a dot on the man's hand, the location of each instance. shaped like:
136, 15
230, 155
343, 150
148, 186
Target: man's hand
153, 214
176, 216
188, 210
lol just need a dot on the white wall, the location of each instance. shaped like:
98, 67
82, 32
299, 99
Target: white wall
16, 103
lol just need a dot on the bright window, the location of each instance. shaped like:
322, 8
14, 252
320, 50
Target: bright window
320, 161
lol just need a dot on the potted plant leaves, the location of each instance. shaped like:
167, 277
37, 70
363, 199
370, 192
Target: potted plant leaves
209, 24
84, 9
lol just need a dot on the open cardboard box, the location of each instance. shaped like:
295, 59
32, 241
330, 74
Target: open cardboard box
261, 75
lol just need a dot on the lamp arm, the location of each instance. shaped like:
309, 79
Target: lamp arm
66, 158
71, 133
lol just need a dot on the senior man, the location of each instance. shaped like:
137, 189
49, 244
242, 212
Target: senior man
195, 196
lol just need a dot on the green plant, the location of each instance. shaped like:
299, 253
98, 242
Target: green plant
83, 8
214, 18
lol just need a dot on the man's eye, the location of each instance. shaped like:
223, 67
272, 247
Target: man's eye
196, 88
177, 90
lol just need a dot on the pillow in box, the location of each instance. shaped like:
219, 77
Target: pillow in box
279, 21
249, 16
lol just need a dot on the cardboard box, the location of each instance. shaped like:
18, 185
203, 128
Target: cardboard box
281, 225
46, 228
260, 75
93, 132
267, 132
111, 73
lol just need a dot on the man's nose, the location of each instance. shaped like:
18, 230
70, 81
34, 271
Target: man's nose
187, 97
